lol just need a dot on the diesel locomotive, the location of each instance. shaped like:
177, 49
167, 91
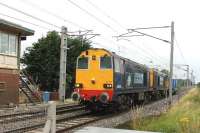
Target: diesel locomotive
105, 78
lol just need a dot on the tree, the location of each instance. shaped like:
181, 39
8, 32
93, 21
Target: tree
42, 60
165, 71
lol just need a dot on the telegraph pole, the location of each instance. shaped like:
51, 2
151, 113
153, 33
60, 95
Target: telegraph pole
63, 62
171, 62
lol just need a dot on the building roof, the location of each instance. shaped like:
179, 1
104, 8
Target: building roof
12, 27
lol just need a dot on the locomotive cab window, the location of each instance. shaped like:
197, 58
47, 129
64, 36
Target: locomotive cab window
82, 63
105, 62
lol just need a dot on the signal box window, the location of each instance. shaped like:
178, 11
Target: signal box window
105, 62
8, 44
82, 63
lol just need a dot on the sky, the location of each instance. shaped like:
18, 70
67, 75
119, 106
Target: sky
111, 18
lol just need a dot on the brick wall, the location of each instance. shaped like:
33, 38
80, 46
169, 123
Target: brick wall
9, 86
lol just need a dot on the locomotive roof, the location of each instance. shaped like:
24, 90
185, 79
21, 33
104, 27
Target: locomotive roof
131, 61
128, 60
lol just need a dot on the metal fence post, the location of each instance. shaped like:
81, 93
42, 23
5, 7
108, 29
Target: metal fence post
50, 126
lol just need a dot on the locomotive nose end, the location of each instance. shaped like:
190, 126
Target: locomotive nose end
75, 96
104, 97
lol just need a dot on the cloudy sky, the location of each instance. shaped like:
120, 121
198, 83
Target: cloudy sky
113, 17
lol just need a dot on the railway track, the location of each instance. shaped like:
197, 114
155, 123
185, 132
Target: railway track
19, 116
75, 123
65, 121
72, 124
40, 125
68, 118
63, 112
68, 124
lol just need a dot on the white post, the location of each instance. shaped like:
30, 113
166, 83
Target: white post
50, 126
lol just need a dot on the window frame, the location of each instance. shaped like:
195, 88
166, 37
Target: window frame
78, 60
134, 79
16, 44
7, 45
161, 81
129, 74
110, 62
117, 62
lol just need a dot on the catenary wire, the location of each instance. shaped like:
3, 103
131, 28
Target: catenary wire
29, 15
105, 13
44, 10
181, 53
51, 13
25, 21
92, 15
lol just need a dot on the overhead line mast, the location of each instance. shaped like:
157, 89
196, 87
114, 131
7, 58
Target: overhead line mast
171, 42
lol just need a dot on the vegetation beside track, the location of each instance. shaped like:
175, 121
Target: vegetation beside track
42, 60
183, 117
198, 85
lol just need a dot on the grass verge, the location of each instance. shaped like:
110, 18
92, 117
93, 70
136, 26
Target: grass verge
183, 117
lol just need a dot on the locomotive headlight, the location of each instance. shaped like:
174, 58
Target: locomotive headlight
93, 80
79, 85
75, 96
104, 97
107, 86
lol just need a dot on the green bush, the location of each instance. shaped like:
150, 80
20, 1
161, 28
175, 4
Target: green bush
198, 85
